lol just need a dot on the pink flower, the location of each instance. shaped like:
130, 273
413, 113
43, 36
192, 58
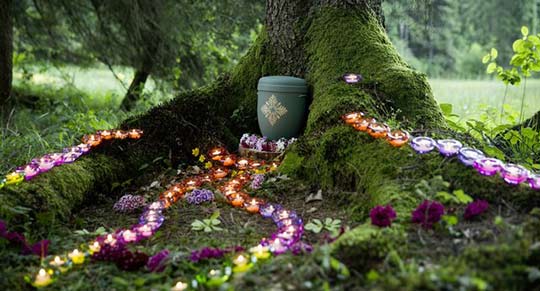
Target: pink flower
428, 213
475, 208
382, 216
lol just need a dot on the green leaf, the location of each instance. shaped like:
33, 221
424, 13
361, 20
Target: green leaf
446, 108
492, 67
328, 221
451, 220
207, 229
486, 59
216, 222
524, 30
494, 53
215, 215
462, 197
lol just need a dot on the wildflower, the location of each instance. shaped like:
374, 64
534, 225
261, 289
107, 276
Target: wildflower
195, 152
382, 216
199, 196
208, 165
475, 208
129, 203
258, 180
428, 213
202, 158
156, 263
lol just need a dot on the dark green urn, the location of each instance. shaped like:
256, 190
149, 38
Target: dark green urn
281, 106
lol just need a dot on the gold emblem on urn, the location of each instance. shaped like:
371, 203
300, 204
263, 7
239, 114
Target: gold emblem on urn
273, 110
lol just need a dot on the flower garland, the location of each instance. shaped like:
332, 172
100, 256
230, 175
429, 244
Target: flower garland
68, 155
512, 174
255, 142
113, 246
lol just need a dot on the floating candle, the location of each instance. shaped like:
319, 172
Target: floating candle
43, 278
514, 174
398, 138
448, 147
377, 130
351, 78
534, 180
467, 156
76, 257
487, 166
353, 117
363, 123
422, 144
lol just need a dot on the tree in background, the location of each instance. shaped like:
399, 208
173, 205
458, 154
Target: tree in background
6, 49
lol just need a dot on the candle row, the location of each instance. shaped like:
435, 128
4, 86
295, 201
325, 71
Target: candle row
513, 174
68, 155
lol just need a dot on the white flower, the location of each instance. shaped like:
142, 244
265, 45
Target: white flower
280, 145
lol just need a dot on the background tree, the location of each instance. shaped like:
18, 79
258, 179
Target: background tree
6, 51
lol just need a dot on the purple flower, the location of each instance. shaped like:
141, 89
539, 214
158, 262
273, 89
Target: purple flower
156, 263
212, 253
428, 213
382, 216
475, 208
199, 196
3, 228
16, 238
301, 247
257, 181
129, 203
40, 248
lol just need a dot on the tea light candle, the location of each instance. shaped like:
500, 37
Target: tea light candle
352, 117
206, 178
43, 278
151, 216
363, 123
228, 160
255, 164
192, 183
70, 157
179, 286
58, 158
14, 178
157, 205
220, 173
266, 210
76, 257
242, 163
105, 134
273, 166
448, 147
129, 236
422, 144
144, 230
135, 133
277, 247
252, 205
57, 262
29, 171
45, 163
216, 153
120, 134
237, 200
82, 148
397, 138
260, 252
241, 263
92, 140
467, 156
216, 278
534, 180
514, 174
487, 166
378, 130
351, 78
110, 240
94, 247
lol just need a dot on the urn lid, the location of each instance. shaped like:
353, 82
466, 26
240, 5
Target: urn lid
283, 84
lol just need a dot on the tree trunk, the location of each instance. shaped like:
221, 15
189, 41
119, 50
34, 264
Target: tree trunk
331, 38
6, 51
135, 89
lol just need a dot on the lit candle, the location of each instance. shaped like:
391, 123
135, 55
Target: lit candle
76, 257
514, 174
219, 173
144, 230
260, 252
487, 166
129, 236
252, 205
216, 278
58, 158
534, 181
255, 164
378, 130
363, 123
192, 183
94, 247
43, 278
82, 148
237, 200
351, 78
241, 263
228, 160
242, 164
352, 117
135, 133
120, 134
29, 171
216, 153
422, 144
179, 286
276, 247
398, 138
467, 156
110, 240
57, 262
266, 210
14, 178
105, 134
45, 163
92, 140
206, 178
157, 205
448, 147
70, 157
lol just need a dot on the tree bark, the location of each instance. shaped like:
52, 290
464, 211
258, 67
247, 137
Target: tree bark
6, 51
135, 89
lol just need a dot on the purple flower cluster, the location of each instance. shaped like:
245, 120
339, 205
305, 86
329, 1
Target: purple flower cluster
428, 213
199, 196
253, 141
119, 254
290, 228
257, 182
475, 208
212, 253
156, 263
129, 203
382, 216
17, 239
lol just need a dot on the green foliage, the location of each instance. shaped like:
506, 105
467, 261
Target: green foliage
208, 225
329, 224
